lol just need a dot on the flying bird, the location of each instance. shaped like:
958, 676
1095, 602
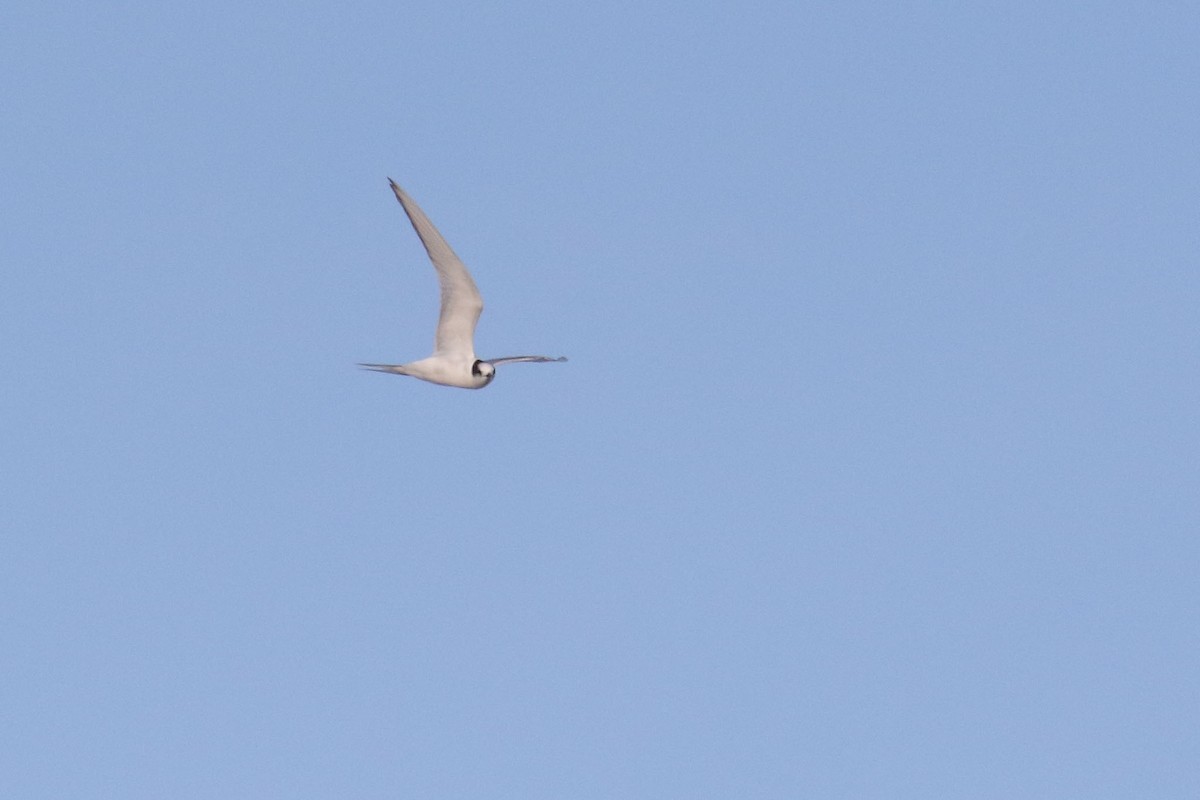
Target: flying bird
453, 362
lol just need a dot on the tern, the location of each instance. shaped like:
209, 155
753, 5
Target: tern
453, 362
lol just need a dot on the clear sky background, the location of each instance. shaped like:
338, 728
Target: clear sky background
873, 472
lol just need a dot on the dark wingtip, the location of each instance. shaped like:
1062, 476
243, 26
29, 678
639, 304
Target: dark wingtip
396, 190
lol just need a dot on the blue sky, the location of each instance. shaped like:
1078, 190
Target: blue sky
873, 472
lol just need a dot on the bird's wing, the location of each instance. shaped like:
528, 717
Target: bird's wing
495, 362
461, 302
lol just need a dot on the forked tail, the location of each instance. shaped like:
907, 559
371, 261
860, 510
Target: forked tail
395, 369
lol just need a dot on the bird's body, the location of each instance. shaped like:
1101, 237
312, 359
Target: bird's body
442, 370
453, 362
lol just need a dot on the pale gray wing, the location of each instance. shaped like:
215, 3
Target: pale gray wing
495, 362
461, 302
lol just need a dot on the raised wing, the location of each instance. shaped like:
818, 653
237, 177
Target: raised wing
461, 302
495, 362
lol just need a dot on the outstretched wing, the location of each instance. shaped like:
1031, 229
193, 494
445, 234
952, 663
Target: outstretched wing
495, 362
461, 302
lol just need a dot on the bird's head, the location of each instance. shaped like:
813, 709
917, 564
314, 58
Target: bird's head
483, 372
